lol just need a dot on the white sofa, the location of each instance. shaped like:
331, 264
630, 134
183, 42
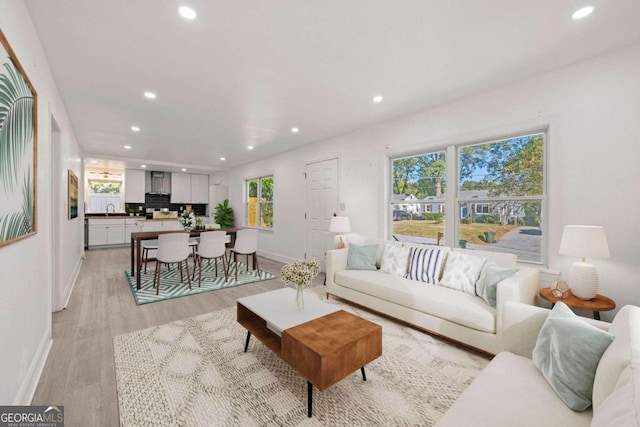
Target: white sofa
511, 391
454, 314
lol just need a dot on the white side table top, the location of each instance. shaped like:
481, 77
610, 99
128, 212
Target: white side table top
278, 308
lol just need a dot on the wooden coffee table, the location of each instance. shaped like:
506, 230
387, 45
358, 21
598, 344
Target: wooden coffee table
321, 342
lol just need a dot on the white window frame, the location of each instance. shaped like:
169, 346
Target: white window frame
451, 204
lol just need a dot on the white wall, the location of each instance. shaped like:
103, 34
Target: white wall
26, 278
591, 109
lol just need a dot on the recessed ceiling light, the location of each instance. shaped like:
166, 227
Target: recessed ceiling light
377, 99
184, 169
127, 147
581, 13
250, 147
135, 128
295, 130
187, 12
223, 158
143, 166
150, 95
94, 161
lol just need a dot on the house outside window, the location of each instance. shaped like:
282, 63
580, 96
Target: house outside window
499, 194
259, 202
418, 197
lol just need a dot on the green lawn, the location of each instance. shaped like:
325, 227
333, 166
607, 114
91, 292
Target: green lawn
472, 233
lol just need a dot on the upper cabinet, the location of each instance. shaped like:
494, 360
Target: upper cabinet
180, 188
200, 189
134, 186
188, 188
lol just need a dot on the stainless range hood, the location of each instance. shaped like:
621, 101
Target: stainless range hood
160, 182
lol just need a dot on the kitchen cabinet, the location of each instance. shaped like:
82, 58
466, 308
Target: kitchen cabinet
131, 226
134, 186
180, 188
200, 189
106, 232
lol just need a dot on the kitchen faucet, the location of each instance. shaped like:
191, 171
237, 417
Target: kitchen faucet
114, 208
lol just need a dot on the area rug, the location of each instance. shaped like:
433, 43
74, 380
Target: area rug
194, 372
171, 287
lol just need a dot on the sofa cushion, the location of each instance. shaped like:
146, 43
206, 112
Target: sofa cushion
381, 245
487, 284
625, 347
622, 406
425, 265
362, 257
567, 354
395, 260
461, 272
454, 306
511, 392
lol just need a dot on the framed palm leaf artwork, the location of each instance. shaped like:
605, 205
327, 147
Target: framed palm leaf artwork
18, 149
73, 194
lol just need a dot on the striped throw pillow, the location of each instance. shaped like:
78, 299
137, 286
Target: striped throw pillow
425, 265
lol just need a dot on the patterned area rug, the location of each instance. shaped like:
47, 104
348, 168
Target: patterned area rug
194, 372
171, 287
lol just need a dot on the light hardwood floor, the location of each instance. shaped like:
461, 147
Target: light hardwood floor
79, 372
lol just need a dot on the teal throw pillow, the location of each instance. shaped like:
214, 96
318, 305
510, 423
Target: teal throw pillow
490, 276
362, 257
567, 354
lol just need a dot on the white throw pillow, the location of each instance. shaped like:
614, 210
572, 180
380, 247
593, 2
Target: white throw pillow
425, 265
395, 260
461, 272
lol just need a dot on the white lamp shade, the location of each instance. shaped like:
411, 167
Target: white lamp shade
340, 224
586, 241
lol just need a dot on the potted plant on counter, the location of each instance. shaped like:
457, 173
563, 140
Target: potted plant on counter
224, 214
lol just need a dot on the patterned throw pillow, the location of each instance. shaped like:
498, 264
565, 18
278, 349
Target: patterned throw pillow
461, 272
425, 265
395, 260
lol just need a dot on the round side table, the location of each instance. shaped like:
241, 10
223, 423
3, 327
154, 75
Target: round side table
598, 304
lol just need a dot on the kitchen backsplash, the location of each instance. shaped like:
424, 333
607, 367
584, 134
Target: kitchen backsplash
158, 201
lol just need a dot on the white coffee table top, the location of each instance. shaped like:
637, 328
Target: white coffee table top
278, 308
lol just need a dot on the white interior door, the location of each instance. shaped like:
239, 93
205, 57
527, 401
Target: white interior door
321, 202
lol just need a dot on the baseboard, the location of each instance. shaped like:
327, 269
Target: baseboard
74, 279
276, 257
30, 383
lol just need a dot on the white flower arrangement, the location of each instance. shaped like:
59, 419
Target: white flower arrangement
300, 273
188, 219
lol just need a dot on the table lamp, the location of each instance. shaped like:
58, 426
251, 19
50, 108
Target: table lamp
340, 224
585, 241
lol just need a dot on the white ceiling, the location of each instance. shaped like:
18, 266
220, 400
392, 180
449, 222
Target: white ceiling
244, 72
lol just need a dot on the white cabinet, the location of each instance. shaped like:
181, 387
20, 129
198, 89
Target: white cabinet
200, 189
131, 226
106, 232
180, 188
134, 186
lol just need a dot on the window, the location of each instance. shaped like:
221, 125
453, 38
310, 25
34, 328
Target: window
259, 202
499, 201
103, 193
418, 197
501, 196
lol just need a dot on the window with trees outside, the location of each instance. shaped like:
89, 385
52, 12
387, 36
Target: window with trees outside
418, 198
103, 193
500, 197
259, 202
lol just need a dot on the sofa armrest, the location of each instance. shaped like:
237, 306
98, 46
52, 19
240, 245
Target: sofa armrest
521, 325
336, 260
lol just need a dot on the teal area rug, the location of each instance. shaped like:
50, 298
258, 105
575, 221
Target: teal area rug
171, 287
